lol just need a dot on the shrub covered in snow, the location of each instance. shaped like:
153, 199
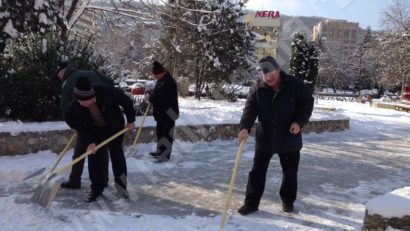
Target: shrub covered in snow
28, 84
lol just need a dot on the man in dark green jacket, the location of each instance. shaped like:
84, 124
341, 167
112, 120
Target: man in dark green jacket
69, 75
283, 104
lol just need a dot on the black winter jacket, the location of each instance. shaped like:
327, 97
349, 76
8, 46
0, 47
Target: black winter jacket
109, 100
164, 99
276, 111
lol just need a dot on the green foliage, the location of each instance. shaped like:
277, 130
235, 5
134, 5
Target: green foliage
24, 16
205, 41
304, 59
28, 83
364, 64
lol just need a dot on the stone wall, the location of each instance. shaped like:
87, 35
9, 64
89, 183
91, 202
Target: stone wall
32, 142
376, 222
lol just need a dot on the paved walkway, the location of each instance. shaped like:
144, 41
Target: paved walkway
339, 172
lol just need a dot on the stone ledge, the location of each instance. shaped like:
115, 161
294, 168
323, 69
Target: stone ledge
376, 222
389, 210
32, 142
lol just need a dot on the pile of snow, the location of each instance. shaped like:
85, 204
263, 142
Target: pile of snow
393, 204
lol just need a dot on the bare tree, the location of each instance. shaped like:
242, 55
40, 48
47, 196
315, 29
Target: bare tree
335, 68
397, 16
394, 60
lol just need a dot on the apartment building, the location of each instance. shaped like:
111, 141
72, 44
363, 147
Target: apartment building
336, 33
84, 25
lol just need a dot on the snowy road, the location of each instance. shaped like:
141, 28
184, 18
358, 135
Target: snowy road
339, 173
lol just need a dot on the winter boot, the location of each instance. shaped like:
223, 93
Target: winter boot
247, 209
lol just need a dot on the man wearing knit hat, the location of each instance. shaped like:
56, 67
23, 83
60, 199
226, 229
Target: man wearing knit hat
164, 99
68, 74
282, 104
96, 115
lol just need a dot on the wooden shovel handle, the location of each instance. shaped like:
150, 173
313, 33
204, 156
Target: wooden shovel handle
65, 167
62, 153
142, 124
231, 184
132, 148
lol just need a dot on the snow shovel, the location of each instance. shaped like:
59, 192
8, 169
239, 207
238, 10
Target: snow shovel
45, 193
43, 171
231, 184
133, 148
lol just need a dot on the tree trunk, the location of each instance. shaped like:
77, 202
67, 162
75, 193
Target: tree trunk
198, 80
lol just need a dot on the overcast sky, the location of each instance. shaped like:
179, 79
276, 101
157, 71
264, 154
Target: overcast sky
365, 12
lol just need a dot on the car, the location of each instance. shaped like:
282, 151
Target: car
138, 90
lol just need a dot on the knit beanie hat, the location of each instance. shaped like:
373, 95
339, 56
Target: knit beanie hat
157, 68
268, 64
83, 89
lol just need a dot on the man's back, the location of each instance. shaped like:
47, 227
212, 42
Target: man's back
70, 79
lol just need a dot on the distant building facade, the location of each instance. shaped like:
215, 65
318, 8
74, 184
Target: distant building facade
336, 33
84, 26
266, 26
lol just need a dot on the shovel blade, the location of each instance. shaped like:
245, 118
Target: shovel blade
45, 193
131, 152
40, 172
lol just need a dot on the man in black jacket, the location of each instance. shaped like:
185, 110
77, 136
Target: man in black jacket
96, 115
283, 104
164, 99
68, 76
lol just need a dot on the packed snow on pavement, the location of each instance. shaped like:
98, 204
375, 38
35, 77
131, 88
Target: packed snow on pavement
339, 173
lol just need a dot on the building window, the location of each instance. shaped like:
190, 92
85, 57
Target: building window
347, 35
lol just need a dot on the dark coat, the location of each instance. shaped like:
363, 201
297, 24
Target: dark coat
276, 111
109, 100
164, 99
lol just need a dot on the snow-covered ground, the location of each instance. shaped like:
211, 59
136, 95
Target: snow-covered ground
339, 173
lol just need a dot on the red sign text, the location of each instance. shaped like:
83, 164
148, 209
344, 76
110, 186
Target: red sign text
267, 14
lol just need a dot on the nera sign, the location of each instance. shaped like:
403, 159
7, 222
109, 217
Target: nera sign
267, 14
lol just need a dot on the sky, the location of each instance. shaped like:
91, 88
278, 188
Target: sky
365, 12
341, 174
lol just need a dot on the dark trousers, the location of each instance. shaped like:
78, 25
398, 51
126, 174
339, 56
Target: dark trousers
257, 177
97, 164
98, 169
165, 137
77, 169
119, 165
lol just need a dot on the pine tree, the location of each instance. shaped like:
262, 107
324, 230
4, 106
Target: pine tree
304, 59
24, 16
206, 40
364, 61
28, 85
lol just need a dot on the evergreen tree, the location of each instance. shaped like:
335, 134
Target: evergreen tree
304, 59
206, 40
24, 16
28, 84
31, 47
364, 61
